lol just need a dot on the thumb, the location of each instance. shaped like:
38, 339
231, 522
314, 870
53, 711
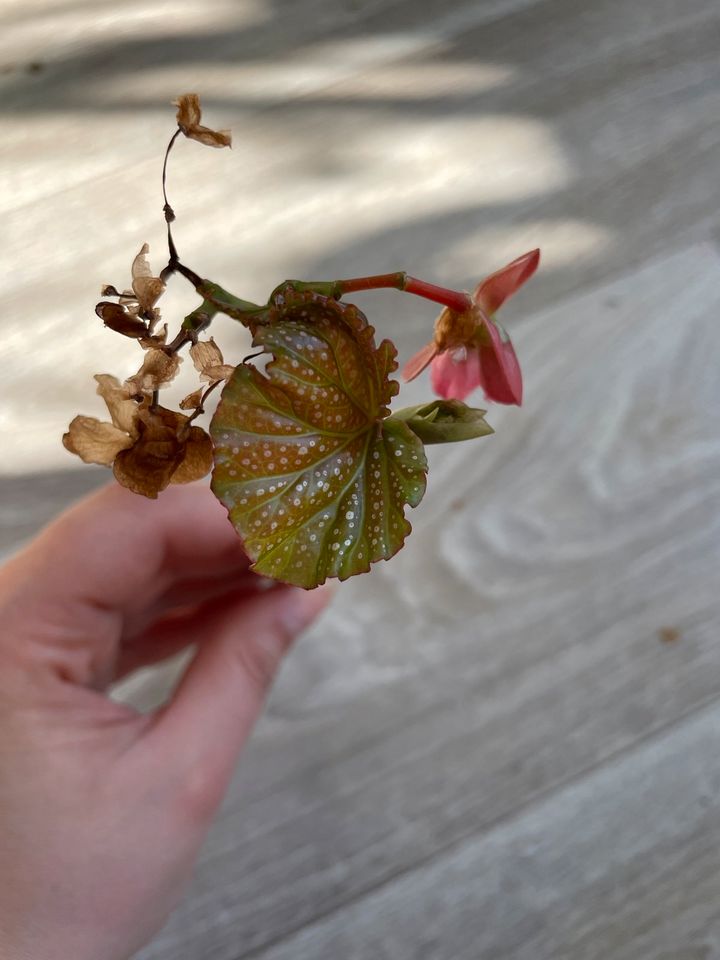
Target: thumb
203, 728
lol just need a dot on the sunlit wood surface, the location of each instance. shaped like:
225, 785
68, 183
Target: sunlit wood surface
504, 743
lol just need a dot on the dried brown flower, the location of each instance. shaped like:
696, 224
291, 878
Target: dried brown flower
96, 441
208, 361
158, 368
193, 400
146, 287
135, 314
117, 318
168, 449
188, 117
148, 446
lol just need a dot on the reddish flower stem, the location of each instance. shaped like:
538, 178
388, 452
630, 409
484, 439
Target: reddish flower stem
455, 300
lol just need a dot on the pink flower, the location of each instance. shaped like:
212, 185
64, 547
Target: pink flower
471, 349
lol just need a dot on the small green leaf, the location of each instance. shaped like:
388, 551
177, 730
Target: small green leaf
314, 477
444, 421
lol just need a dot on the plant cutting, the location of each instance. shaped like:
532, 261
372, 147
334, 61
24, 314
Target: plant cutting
315, 469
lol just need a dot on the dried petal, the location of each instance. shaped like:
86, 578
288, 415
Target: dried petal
222, 372
148, 291
155, 340
198, 459
189, 113
188, 118
146, 287
94, 441
192, 401
205, 353
141, 264
208, 361
118, 319
158, 368
122, 408
146, 468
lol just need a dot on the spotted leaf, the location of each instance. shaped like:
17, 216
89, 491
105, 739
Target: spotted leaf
313, 475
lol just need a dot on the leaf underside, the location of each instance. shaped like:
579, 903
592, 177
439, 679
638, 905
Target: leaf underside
314, 479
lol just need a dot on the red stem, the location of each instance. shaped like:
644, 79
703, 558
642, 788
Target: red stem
455, 300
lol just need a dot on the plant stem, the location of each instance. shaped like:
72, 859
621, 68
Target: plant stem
192, 325
453, 299
201, 409
189, 274
168, 211
227, 303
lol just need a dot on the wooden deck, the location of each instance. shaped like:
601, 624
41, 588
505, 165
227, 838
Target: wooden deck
489, 749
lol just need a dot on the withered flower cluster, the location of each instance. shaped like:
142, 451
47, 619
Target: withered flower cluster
147, 445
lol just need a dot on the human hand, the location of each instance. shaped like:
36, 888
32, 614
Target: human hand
103, 809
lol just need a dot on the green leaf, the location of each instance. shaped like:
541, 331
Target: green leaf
313, 476
444, 421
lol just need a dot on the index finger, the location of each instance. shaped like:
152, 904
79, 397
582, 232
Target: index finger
120, 551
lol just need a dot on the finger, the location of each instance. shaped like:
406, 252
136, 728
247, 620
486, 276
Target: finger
120, 551
178, 628
186, 594
212, 712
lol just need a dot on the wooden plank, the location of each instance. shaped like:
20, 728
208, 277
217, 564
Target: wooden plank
49, 52
620, 864
512, 645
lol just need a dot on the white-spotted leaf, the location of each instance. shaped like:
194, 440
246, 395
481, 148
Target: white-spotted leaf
313, 476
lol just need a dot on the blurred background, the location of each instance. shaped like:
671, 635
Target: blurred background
504, 743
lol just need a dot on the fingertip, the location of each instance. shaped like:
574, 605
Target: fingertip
297, 608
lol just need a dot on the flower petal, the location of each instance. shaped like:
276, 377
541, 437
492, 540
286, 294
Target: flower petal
193, 400
208, 361
198, 458
452, 378
188, 118
146, 287
189, 113
501, 377
415, 365
494, 290
147, 466
158, 368
95, 441
221, 372
205, 353
123, 410
117, 318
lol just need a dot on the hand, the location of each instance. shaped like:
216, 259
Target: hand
103, 809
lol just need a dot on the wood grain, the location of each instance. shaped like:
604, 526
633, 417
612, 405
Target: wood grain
616, 864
